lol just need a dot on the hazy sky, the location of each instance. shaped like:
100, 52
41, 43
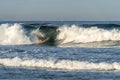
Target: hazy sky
60, 10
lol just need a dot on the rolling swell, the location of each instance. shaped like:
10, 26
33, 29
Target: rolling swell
104, 26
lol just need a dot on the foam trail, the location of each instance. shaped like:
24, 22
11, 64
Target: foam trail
13, 35
77, 34
62, 64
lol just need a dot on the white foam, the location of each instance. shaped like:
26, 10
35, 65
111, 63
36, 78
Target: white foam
13, 35
38, 33
62, 64
77, 34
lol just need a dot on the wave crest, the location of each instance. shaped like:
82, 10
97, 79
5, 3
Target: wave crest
76, 34
13, 34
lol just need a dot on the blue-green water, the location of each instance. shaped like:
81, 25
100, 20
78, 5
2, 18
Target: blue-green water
73, 51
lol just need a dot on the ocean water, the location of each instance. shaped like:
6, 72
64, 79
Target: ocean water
69, 50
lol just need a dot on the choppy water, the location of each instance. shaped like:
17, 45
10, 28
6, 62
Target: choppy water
83, 51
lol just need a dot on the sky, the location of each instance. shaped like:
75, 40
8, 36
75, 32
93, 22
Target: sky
60, 10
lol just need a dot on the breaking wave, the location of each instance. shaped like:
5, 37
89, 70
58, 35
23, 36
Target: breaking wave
18, 34
13, 34
60, 65
76, 34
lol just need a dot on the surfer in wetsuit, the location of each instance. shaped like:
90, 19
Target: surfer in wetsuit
40, 39
46, 35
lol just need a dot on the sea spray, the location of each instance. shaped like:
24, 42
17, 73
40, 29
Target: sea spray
13, 34
76, 34
16, 34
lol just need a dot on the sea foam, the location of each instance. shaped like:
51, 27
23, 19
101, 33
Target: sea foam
13, 34
60, 65
76, 34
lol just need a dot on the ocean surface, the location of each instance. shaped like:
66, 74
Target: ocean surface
60, 50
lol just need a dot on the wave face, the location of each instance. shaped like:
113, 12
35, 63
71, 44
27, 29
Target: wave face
76, 34
60, 65
22, 34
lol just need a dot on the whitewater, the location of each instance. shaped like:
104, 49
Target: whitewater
72, 50
60, 65
16, 34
